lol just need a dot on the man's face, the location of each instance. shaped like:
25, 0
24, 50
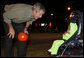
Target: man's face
38, 14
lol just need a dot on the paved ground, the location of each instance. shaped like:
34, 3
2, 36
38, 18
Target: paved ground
38, 44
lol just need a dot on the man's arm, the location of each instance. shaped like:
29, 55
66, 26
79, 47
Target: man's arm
26, 27
11, 31
10, 25
7, 19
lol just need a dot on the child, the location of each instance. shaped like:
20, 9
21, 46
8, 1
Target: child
72, 28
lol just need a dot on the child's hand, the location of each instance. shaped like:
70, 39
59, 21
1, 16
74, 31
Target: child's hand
67, 32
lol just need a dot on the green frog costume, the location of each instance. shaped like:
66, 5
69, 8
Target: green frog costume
57, 43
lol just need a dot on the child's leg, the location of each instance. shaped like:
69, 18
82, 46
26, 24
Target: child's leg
55, 46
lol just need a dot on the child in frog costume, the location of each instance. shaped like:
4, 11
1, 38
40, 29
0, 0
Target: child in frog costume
72, 29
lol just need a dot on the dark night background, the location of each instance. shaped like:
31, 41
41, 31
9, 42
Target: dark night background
41, 38
57, 7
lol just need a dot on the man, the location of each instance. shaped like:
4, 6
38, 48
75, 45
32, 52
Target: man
17, 18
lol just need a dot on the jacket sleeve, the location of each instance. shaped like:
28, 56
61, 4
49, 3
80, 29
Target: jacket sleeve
8, 15
6, 18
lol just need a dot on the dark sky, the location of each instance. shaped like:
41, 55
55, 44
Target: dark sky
49, 4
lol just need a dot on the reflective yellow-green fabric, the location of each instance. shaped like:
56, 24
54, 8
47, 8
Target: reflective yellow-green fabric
73, 29
57, 43
55, 46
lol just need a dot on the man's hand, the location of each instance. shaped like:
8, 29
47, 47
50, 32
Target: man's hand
11, 33
25, 31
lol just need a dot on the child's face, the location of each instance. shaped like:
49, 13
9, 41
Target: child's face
38, 14
71, 15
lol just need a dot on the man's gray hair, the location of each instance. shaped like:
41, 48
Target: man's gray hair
38, 6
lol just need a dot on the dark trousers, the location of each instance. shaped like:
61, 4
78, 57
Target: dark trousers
21, 45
